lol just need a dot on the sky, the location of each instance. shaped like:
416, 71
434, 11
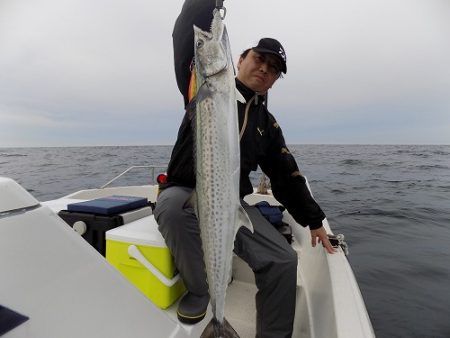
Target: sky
100, 72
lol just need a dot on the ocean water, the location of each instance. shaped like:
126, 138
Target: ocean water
392, 203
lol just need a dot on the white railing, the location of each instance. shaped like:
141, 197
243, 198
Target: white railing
152, 167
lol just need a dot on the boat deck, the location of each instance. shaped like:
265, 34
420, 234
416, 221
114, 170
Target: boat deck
325, 283
240, 308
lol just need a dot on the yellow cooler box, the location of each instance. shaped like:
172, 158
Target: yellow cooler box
139, 252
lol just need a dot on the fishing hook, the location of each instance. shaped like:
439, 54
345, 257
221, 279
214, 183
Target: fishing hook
221, 8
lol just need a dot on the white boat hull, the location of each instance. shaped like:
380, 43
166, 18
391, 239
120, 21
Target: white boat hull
67, 289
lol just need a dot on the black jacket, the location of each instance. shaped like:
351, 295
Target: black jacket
262, 144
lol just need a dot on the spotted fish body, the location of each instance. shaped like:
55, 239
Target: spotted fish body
217, 202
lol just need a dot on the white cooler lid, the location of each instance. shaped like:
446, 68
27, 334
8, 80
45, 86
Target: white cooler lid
143, 231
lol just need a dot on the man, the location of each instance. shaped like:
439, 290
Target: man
262, 143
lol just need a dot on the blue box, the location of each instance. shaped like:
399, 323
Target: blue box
107, 206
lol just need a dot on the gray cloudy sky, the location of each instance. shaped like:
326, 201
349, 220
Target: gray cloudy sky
100, 72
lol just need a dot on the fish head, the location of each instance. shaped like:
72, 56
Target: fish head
211, 49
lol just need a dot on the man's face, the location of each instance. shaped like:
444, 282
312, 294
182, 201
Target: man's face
259, 71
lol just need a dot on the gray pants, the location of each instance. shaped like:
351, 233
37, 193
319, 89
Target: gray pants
266, 251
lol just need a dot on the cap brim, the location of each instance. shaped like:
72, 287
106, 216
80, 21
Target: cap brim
269, 51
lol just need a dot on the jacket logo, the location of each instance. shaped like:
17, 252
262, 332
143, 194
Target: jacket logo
261, 131
282, 54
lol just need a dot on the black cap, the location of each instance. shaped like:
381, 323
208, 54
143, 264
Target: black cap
274, 47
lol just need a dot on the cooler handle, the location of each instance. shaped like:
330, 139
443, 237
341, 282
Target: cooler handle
134, 252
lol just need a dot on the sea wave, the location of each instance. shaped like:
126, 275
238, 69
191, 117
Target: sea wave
2, 154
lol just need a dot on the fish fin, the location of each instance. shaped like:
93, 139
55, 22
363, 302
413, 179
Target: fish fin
204, 92
243, 219
239, 97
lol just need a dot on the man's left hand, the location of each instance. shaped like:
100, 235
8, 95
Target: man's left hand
321, 236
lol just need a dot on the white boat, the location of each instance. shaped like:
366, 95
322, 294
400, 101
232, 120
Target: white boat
51, 275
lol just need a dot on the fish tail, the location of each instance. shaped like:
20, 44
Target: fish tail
216, 329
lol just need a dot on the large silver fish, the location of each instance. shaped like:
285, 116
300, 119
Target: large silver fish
217, 154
